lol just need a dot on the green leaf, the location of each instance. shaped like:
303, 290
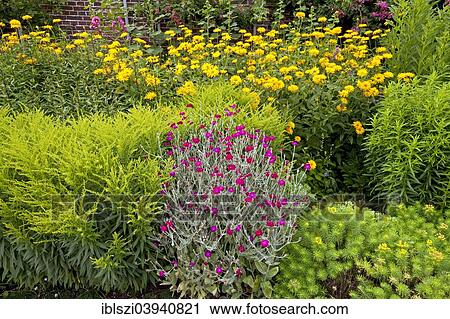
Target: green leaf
266, 287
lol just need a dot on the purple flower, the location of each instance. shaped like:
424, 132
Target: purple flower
219, 270
213, 228
264, 243
162, 274
281, 182
95, 22
307, 166
238, 227
208, 253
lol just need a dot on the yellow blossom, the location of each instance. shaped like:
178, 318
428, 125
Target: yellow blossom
150, 96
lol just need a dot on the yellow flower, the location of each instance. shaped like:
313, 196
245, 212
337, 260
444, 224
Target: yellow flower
322, 19
2, 24
297, 138
15, 24
319, 78
291, 124
313, 52
318, 241
78, 42
359, 129
300, 15
312, 164
150, 96
362, 73
383, 247
293, 88
152, 80
261, 30
235, 80
124, 75
283, 26
56, 21
187, 89
341, 108
27, 17
99, 54
289, 130
405, 76
210, 70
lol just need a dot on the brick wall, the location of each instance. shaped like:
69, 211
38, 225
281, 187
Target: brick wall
74, 15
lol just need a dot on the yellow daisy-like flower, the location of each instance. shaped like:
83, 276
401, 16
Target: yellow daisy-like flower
124, 75
150, 96
187, 89
293, 88
312, 164
235, 80
300, 15
297, 138
55, 21
322, 19
15, 24
291, 124
27, 17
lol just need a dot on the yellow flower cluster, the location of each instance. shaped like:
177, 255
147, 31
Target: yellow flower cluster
359, 129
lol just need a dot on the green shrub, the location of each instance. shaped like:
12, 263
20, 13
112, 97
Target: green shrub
345, 252
420, 37
78, 200
408, 150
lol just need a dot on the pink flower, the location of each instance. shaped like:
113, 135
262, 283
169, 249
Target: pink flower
238, 228
163, 228
208, 253
307, 166
281, 182
162, 274
241, 248
199, 169
240, 182
274, 175
231, 190
219, 270
249, 148
238, 272
213, 228
231, 167
218, 189
264, 243
228, 157
189, 105
281, 222
172, 173
195, 140
95, 22
270, 223
229, 231
198, 163
258, 233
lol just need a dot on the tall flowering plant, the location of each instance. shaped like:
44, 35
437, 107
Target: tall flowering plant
231, 207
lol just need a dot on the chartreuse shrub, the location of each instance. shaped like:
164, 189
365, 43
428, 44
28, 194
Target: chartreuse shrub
347, 252
420, 37
408, 150
78, 200
230, 209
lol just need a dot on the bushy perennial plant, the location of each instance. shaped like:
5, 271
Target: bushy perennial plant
231, 207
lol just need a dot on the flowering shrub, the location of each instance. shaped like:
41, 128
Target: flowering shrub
231, 208
348, 252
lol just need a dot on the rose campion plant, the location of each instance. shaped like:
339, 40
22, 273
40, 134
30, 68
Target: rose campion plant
231, 207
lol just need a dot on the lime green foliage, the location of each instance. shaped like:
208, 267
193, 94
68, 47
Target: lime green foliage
345, 252
78, 199
408, 150
420, 37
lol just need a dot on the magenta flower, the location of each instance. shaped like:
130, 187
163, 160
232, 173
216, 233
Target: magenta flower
282, 222
218, 189
264, 243
307, 166
270, 223
172, 173
213, 228
163, 228
162, 274
208, 253
219, 270
229, 231
231, 167
95, 22
240, 182
238, 272
241, 248
281, 182
195, 140
249, 148
238, 228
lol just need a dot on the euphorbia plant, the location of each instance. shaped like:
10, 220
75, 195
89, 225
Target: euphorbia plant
230, 209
